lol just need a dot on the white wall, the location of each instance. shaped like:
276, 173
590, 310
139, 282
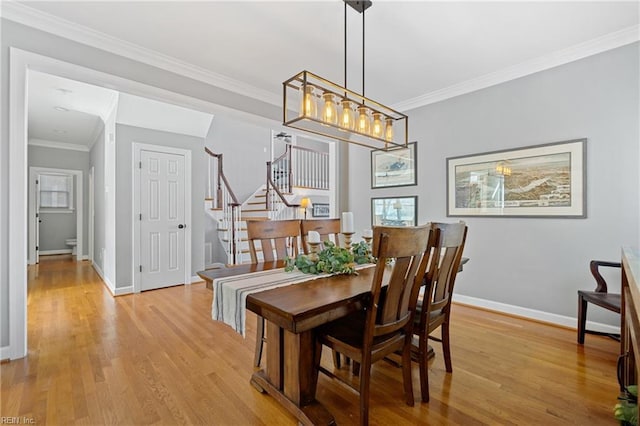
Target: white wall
533, 263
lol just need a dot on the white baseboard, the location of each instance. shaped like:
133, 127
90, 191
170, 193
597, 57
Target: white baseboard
85, 257
104, 279
121, 291
196, 279
533, 314
59, 251
5, 352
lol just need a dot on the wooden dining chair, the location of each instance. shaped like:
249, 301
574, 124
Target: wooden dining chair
329, 230
433, 309
385, 324
277, 239
600, 297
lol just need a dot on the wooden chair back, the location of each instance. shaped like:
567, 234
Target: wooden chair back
329, 229
277, 239
408, 247
441, 276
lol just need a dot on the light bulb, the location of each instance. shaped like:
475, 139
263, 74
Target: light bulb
330, 110
364, 123
308, 104
377, 128
347, 117
388, 131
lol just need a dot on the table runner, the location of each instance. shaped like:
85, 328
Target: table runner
230, 293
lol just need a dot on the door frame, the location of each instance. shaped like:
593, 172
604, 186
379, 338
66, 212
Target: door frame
137, 147
34, 172
91, 214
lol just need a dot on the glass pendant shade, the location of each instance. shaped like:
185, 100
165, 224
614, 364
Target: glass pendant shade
308, 102
330, 109
377, 128
348, 116
364, 122
388, 130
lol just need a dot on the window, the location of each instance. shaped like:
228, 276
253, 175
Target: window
56, 191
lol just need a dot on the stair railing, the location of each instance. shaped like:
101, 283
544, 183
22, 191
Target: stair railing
308, 168
224, 199
275, 200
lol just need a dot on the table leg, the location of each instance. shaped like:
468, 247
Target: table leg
291, 377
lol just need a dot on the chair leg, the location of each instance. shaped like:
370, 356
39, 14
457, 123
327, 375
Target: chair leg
355, 368
406, 372
259, 341
423, 365
582, 319
365, 377
336, 359
446, 349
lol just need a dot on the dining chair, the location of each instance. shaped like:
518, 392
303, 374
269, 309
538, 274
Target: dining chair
329, 229
433, 309
277, 239
600, 297
385, 324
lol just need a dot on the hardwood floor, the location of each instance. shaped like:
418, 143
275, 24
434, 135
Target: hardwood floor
157, 357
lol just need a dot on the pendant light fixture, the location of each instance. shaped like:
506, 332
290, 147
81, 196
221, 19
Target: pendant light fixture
328, 109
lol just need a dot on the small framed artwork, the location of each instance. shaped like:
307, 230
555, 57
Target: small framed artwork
394, 167
394, 211
320, 210
537, 181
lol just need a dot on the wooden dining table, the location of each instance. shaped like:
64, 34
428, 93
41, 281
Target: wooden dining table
292, 315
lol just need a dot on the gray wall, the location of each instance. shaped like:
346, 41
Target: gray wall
96, 160
56, 227
125, 136
533, 263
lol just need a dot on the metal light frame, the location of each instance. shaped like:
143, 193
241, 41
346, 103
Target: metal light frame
294, 117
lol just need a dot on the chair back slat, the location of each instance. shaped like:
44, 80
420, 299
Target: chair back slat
329, 230
277, 239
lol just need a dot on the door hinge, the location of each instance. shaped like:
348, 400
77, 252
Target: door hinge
37, 248
140, 216
37, 182
37, 214
140, 165
140, 268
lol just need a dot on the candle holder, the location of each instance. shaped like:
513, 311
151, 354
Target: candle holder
367, 240
313, 251
347, 239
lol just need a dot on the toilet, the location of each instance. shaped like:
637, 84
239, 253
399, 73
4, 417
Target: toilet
72, 242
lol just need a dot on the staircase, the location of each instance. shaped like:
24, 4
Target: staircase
288, 178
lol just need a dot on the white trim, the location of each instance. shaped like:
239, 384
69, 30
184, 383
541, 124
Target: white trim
79, 196
592, 47
5, 352
85, 257
121, 291
59, 251
58, 145
104, 279
42, 21
137, 147
91, 215
533, 314
196, 279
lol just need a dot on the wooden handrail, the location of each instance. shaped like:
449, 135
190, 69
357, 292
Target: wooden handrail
273, 185
223, 178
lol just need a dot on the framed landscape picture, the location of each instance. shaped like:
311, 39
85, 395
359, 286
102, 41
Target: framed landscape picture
538, 181
320, 210
394, 211
394, 167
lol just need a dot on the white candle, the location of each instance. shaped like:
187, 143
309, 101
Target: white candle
347, 222
313, 237
367, 233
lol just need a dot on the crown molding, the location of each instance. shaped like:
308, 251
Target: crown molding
58, 145
29, 16
592, 47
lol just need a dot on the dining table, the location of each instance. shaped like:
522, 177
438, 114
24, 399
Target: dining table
293, 313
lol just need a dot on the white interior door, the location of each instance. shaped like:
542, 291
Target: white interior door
162, 219
38, 220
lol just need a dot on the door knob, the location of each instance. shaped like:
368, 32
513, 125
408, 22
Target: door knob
181, 226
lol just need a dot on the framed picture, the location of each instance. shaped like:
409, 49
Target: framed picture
320, 210
537, 181
394, 167
394, 211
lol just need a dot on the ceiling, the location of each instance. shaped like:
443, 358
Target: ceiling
413, 48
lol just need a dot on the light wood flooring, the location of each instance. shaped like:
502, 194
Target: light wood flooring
158, 358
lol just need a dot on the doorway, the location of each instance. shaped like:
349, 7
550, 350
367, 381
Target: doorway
68, 199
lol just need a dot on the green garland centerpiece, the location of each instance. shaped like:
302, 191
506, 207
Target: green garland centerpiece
332, 260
